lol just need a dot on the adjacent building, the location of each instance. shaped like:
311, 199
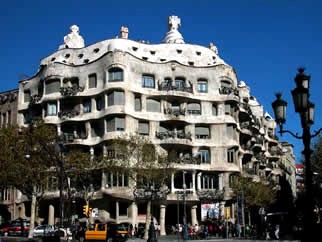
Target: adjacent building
11, 200
184, 97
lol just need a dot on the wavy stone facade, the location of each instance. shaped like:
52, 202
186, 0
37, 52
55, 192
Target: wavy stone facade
184, 97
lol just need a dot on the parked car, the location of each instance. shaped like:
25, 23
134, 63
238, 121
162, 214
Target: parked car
4, 228
19, 227
43, 230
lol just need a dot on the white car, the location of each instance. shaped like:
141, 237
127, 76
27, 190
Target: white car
42, 230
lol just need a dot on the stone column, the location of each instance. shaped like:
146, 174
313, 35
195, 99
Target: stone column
133, 214
117, 210
172, 182
58, 130
222, 209
199, 181
194, 182
194, 215
51, 215
162, 219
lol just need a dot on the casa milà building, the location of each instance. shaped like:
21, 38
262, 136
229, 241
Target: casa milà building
184, 97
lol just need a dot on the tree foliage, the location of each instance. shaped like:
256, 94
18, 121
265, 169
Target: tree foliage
138, 157
316, 161
33, 153
256, 194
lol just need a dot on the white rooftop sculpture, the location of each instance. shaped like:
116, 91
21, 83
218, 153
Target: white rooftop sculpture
173, 36
73, 39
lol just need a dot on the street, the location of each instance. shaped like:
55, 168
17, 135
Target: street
162, 238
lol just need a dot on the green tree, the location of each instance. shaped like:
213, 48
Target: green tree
256, 194
316, 160
145, 165
31, 155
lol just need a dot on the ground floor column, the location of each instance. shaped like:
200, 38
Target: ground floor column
117, 210
133, 214
194, 215
51, 215
162, 219
222, 209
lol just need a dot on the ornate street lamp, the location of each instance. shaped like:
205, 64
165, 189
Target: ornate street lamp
306, 111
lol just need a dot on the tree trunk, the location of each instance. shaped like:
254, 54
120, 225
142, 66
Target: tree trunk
148, 220
32, 213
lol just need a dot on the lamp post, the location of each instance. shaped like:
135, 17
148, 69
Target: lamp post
305, 108
59, 146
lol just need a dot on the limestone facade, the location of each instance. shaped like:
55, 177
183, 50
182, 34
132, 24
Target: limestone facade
184, 97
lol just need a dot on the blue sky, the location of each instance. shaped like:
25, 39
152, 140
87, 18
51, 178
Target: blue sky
265, 41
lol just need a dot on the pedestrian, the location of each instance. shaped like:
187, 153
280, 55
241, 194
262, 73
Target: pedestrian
277, 231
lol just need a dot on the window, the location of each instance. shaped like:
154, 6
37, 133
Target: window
115, 75
52, 86
116, 98
179, 83
100, 103
204, 156
9, 117
194, 108
225, 87
51, 108
225, 83
87, 106
137, 103
4, 120
230, 131
214, 110
26, 96
230, 155
115, 124
92, 81
143, 128
202, 132
148, 81
228, 109
209, 181
153, 105
202, 86
116, 179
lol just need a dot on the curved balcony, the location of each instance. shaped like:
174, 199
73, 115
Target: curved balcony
168, 86
210, 194
175, 111
173, 135
71, 91
66, 114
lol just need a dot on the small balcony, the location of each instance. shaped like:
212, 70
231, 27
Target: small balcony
175, 111
66, 114
228, 91
172, 134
